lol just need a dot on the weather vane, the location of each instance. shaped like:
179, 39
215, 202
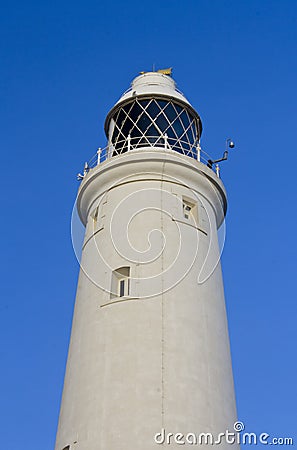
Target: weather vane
167, 71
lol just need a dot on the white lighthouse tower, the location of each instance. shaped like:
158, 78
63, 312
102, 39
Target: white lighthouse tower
149, 361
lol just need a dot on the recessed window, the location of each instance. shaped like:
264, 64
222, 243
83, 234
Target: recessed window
122, 287
67, 447
189, 209
120, 283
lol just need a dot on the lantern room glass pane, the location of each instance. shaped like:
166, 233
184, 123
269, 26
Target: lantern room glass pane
144, 121
148, 121
162, 122
170, 113
127, 126
135, 111
153, 110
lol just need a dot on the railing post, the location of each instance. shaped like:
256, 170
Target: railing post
129, 142
198, 153
218, 170
86, 168
98, 156
166, 141
109, 150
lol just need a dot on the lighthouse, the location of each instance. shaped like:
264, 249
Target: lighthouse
149, 360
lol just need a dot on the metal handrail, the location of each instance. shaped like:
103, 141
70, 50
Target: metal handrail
160, 141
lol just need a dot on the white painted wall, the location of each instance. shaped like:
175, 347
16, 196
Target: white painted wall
159, 358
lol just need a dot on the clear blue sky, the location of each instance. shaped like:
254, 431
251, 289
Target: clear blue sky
63, 65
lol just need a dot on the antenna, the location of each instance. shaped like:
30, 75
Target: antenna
229, 144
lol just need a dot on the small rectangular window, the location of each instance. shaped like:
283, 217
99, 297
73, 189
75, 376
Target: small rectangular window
120, 283
122, 288
189, 209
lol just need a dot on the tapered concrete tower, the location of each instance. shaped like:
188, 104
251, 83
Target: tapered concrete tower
149, 353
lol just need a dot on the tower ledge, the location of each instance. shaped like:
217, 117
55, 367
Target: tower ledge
145, 164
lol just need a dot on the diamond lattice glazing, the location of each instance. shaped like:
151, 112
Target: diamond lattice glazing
151, 122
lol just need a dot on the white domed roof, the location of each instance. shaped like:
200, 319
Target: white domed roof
153, 83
